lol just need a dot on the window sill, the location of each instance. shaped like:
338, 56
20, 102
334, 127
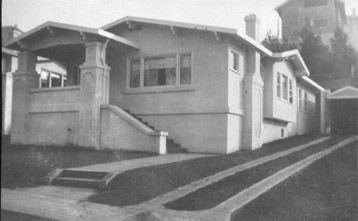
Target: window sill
66, 88
163, 89
235, 71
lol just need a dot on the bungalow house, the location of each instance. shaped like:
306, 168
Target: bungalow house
211, 89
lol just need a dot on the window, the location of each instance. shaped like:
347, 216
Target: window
285, 87
314, 3
290, 92
50, 79
278, 85
300, 105
185, 69
134, 73
160, 71
234, 61
305, 102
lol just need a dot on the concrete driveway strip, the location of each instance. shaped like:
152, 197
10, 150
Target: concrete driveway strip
184, 190
225, 210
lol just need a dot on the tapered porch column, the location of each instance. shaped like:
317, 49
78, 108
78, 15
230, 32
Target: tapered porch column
94, 92
24, 79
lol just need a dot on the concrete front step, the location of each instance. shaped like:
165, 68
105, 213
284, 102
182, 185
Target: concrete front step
79, 178
78, 182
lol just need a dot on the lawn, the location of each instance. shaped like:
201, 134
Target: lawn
27, 166
215, 193
13, 216
326, 190
142, 184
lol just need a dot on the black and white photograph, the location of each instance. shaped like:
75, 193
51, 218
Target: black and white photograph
179, 110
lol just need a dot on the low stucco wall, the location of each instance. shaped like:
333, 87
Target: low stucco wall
58, 128
204, 133
53, 116
117, 132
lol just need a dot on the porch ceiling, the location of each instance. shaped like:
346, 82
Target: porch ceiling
52, 34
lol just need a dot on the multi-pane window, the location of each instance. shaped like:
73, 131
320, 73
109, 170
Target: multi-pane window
284, 87
160, 71
50, 79
234, 61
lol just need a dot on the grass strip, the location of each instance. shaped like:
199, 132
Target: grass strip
325, 190
142, 184
215, 193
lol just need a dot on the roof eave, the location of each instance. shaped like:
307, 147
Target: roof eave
94, 31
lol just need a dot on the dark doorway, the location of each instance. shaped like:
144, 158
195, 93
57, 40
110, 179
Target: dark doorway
344, 116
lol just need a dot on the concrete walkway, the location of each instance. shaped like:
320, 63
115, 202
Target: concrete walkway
61, 207
122, 166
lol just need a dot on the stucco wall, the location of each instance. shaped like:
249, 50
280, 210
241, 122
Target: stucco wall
307, 120
195, 132
53, 128
179, 110
53, 116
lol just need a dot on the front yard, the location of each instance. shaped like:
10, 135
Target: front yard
27, 166
142, 184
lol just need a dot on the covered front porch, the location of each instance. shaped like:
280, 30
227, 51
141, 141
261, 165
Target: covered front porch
73, 109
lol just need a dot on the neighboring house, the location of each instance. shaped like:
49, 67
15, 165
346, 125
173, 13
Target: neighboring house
210, 89
9, 64
322, 17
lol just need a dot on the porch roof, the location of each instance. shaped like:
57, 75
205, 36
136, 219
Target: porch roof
347, 92
21, 43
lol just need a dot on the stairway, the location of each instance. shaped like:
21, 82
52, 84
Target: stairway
172, 146
79, 178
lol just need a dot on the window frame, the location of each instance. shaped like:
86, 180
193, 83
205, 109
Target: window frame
175, 86
232, 54
62, 78
280, 87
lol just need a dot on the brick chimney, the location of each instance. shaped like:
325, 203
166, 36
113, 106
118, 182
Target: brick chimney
253, 26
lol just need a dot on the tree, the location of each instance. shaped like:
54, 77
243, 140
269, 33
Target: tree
344, 55
316, 55
275, 44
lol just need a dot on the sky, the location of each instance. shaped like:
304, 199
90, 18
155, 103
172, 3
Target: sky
27, 14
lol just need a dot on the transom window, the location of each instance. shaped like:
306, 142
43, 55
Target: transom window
49, 79
284, 87
160, 71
